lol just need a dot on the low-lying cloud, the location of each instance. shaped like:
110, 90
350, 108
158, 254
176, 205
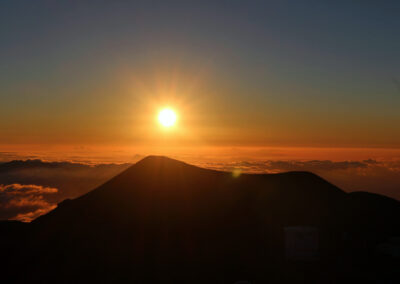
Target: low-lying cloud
276, 166
31, 188
24, 202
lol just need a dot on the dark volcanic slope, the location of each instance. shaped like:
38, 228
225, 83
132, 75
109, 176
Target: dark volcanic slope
162, 220
157, 183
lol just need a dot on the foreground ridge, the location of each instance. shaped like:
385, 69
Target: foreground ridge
162, 220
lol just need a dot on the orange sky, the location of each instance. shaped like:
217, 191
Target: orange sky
123, 114
244, 84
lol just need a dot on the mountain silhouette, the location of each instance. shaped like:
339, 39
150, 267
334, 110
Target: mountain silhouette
162, 220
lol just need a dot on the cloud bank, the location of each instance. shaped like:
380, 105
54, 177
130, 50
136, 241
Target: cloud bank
24, 202
31, 188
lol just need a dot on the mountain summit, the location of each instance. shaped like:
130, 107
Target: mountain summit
162, 220
157, 182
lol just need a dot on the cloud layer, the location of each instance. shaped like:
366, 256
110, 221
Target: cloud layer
24, 202
31, 188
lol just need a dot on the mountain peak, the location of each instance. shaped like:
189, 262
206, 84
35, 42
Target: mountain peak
160, 162
157, 159
162, 215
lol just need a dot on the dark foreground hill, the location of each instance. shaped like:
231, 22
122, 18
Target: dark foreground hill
164, 221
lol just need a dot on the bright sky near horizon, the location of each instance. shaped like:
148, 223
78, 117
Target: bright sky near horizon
313, 74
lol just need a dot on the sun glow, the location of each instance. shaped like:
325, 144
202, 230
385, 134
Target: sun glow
167, 117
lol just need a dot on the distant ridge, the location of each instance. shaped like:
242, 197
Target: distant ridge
37, 163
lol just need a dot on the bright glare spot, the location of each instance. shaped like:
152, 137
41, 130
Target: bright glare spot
167, 117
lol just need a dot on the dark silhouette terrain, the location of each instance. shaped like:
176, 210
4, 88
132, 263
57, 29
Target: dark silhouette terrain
164, 221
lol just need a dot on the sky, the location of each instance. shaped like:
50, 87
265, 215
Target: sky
292, 79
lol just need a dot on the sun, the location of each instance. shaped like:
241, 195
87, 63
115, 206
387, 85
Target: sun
167, 117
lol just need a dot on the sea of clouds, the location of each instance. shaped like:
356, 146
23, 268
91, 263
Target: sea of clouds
30, 188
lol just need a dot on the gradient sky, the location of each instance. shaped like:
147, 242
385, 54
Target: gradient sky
239, 73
